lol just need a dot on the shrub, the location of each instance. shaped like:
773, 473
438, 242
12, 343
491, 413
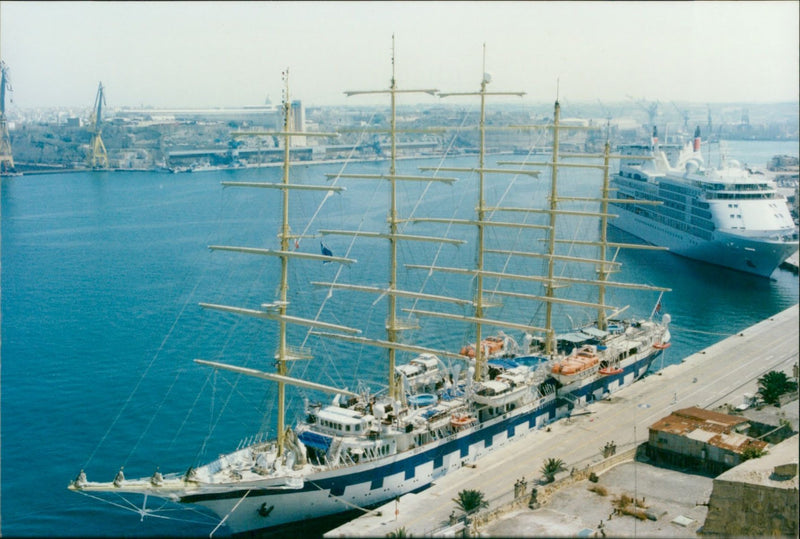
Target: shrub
599, 489
751, 452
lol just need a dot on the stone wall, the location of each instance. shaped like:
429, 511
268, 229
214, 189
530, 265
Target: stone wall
737, 508
758, 497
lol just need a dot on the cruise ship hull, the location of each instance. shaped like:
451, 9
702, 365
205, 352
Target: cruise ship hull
755, 256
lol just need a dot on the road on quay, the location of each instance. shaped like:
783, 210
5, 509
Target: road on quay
720, 374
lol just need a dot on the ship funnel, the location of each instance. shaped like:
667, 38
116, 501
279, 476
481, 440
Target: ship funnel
697, 139
655, 136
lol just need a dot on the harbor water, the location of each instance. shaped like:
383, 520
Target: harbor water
102, 273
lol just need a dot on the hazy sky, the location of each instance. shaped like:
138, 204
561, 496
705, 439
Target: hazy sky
186, 54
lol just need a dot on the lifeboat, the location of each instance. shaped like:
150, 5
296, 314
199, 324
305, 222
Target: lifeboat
491, 345
459, 421
610, 370
582, 360
662, 345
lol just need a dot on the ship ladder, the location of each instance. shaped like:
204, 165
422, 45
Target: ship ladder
574, 400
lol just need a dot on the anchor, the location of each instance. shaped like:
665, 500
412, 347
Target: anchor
264, 511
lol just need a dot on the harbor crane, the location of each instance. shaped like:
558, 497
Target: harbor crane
6, 158
607, 113
651, 109
685, 115
98, 157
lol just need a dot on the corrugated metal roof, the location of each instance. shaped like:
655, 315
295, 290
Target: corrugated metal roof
701, 435
708, 416
709, 427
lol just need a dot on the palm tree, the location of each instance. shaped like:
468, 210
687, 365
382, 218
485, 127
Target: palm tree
470, 500
551, 467
774, 384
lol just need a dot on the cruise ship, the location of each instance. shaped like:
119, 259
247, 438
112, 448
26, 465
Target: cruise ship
728, 216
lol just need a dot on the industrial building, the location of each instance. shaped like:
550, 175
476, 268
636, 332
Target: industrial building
261, 115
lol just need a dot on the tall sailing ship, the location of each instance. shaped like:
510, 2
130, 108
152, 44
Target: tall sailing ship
725, 216
364, 448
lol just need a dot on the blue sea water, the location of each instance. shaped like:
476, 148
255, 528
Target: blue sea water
101, 276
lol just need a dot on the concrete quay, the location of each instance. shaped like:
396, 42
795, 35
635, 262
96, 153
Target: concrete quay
791, 263
718, 375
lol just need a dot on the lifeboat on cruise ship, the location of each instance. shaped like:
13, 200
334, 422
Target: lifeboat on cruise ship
662, 345
459, 421
583, 359
492, 347
610, 370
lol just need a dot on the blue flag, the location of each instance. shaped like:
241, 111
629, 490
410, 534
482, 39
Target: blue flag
325, 251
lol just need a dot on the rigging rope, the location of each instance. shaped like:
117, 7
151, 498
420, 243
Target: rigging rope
129, 506
347, 252
339, 498
139, 382
455, 211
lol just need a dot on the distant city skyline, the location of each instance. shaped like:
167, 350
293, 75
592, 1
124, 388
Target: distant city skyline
230, 54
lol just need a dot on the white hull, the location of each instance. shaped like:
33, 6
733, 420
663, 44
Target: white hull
369, 484
759, 257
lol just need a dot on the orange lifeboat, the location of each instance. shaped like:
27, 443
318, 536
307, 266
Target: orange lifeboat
580, 361
662, 346
492, 345
610, 370
460, 421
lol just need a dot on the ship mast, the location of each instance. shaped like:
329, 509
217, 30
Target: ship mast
551, 237
604, 266
482, 212
285, 236
278, 310
603, 270
394, 326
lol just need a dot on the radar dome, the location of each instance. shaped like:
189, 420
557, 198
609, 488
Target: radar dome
692, 166
666, 319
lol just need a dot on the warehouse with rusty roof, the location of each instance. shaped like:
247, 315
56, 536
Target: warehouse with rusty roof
708, 441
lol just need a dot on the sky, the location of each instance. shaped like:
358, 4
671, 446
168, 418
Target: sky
227, 54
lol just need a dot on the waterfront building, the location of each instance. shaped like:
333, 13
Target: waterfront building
702, 439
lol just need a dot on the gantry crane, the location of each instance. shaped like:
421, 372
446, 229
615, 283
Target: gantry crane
6, 158
98, 157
